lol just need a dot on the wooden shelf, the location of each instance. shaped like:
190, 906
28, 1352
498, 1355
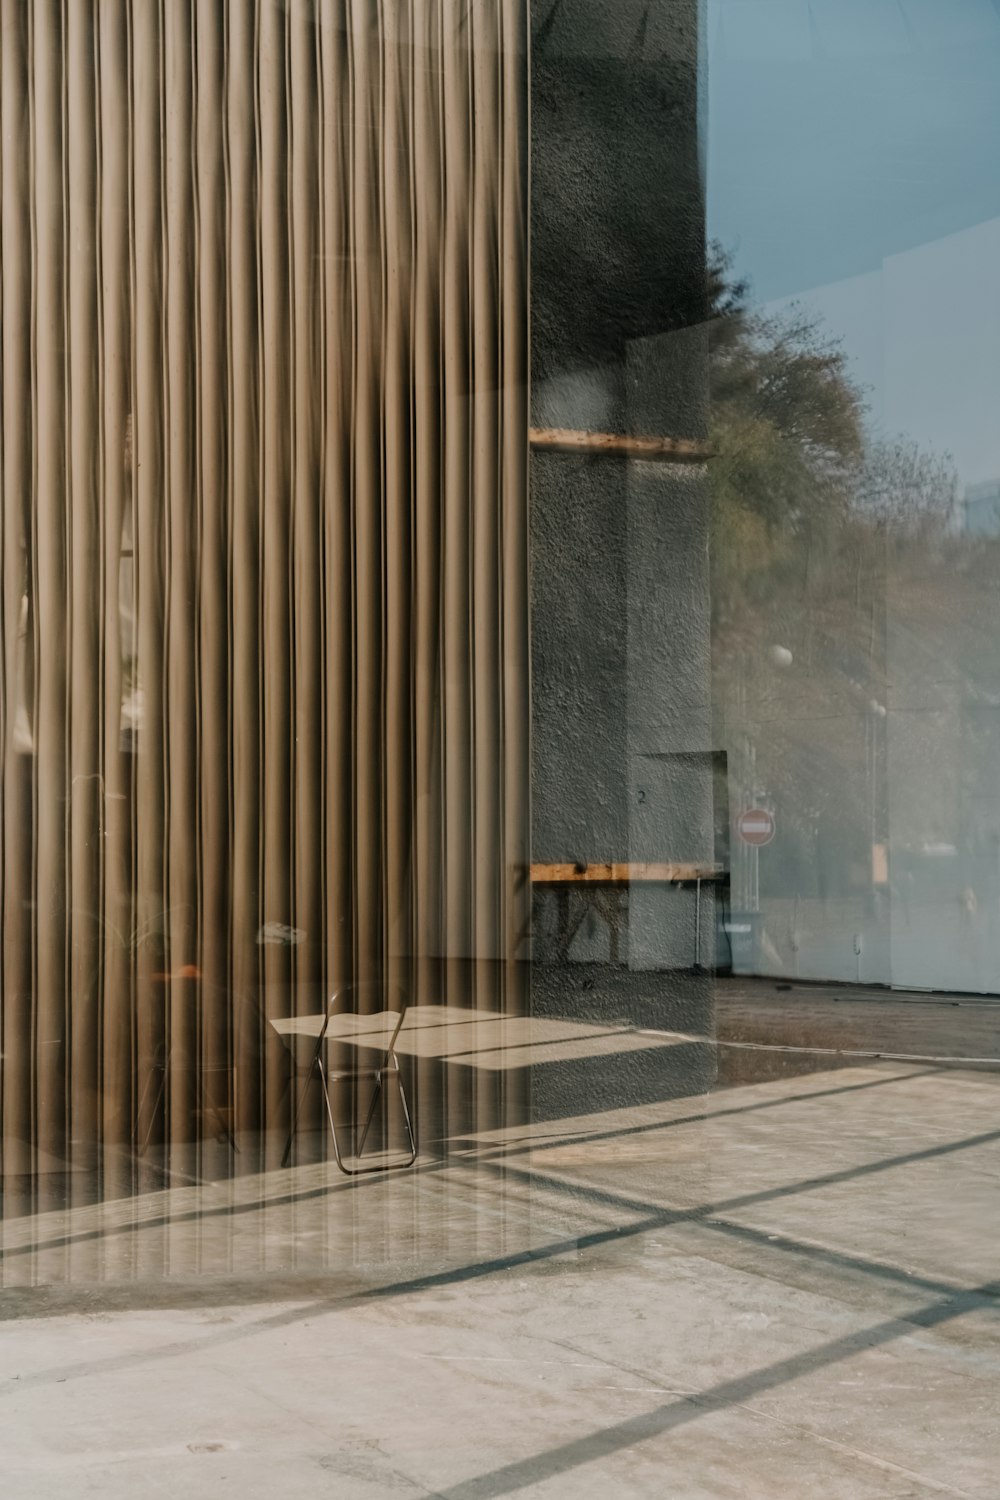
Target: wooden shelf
662, 450
666, 873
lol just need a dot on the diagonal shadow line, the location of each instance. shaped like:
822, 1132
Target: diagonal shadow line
196, 1215
657, 1219
476, 1271
748, 1200
706, 1218
338, 1302
563, 1041
836, 1260
703, 1117
609, 1440
432, 1281
161, 1221
708, 1215
653, 1215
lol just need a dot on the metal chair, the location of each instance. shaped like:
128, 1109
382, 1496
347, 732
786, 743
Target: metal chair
359, 1032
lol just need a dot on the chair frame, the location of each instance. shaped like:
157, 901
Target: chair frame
388, 1067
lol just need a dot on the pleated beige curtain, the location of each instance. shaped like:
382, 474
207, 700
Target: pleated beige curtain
264, 614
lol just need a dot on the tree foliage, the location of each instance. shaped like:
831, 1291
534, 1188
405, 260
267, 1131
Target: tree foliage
799, 483
837, 544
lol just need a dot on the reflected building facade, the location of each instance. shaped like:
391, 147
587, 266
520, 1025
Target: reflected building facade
429, 567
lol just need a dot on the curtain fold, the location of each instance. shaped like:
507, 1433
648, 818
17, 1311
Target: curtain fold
264, 619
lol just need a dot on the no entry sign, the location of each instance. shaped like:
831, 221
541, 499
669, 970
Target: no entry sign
755, 826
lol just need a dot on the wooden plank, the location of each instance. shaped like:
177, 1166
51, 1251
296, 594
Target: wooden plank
618, 445
668, 872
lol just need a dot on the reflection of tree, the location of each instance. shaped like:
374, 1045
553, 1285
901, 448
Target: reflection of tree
786, 420
796, 480
840, 547
900, 486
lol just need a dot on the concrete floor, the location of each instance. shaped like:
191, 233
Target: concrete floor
786, 1289
855, 1021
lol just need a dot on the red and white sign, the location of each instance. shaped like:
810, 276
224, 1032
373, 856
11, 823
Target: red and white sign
755, 826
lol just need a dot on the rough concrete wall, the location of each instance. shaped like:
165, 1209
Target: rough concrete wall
620, 646
617, 214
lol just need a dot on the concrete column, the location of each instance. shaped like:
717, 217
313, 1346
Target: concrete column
621, 721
